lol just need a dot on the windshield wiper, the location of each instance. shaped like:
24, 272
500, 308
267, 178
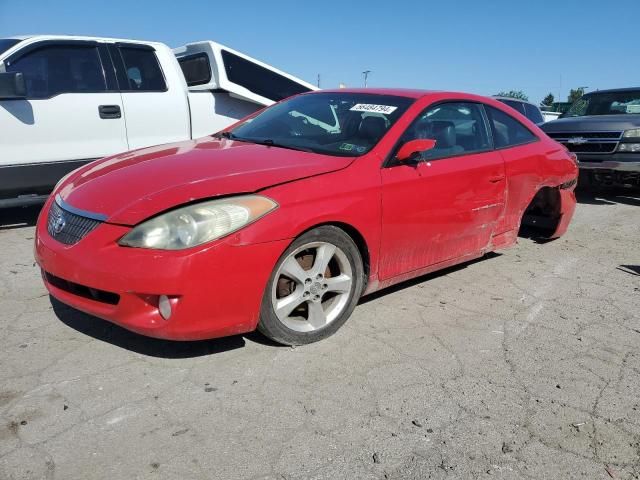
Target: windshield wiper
270, 143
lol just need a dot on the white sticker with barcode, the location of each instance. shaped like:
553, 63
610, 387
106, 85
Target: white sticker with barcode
371, 108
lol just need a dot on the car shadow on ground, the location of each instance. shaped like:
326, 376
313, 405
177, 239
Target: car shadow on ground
152, 347
19, 217
630, 269
609, 197
108, 332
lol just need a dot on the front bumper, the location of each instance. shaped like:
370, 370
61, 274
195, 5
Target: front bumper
621, 162
215, 290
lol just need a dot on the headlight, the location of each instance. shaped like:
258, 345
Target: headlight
635, 132
629, 147
198, 223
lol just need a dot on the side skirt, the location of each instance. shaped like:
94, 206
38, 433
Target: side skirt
376, 284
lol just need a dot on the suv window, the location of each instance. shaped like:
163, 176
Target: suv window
142, 70
457, 127
533, 113
507, 131
518, 106
258, 79
196, 69
53, 70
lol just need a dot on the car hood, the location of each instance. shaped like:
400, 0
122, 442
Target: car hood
592, 123
133, 186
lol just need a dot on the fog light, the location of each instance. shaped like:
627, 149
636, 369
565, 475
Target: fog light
629, 147
164, 306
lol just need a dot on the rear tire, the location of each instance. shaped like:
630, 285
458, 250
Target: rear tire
313, 289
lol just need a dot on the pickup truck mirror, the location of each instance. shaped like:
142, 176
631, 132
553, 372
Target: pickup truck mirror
413, 147
12, 86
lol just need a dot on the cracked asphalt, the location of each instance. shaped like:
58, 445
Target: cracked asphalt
523, 365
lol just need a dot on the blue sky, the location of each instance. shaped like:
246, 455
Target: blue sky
478, 46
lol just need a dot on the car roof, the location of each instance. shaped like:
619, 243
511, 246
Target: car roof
410, 93
398, 92
512, 99
615, 90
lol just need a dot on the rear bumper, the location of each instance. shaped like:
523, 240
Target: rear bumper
567, 209
214, 291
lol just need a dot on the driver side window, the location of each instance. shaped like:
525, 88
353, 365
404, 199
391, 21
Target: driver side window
457, 127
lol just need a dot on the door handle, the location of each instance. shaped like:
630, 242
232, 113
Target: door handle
109, 111
496, 179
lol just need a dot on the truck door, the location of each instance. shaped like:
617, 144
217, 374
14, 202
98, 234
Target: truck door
156, 106
72, 113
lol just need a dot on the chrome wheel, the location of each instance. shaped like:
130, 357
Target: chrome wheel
312, 287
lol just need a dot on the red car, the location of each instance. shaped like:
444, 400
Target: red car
283, 221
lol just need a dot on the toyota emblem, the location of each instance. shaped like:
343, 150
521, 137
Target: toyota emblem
59, 223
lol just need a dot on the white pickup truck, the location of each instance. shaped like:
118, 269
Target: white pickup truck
65, 101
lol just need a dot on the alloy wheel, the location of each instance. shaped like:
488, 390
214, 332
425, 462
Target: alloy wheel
312, 287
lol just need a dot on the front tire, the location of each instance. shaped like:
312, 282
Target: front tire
313, 288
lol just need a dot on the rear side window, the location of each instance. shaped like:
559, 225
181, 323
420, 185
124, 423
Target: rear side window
259, 80
507, 131
142, 70
55, 70
196, 69
533, 113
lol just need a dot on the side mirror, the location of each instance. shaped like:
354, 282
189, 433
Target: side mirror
12, 86
414, 147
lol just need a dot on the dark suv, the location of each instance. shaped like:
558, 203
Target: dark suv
603, 129
529, 110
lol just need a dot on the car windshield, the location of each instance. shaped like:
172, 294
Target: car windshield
339, 124
606, 103
6, 44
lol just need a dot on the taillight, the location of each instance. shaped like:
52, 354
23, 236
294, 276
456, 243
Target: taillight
572, 155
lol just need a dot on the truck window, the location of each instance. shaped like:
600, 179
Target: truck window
196, 69
142, 70
258, 79
606, 103
55, 70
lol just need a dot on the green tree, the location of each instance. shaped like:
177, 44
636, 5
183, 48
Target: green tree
519, 94
575, 94
548, 100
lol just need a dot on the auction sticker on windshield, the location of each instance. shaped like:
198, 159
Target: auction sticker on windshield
367, 107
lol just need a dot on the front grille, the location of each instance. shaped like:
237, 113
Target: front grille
588, 135
82, 290
66, 227
591, 147
588, 142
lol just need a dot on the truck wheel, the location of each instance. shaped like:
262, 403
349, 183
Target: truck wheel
313, 289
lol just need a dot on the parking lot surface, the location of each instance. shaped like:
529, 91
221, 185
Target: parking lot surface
523, 365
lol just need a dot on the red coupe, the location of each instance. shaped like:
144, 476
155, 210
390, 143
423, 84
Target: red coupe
283, 221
